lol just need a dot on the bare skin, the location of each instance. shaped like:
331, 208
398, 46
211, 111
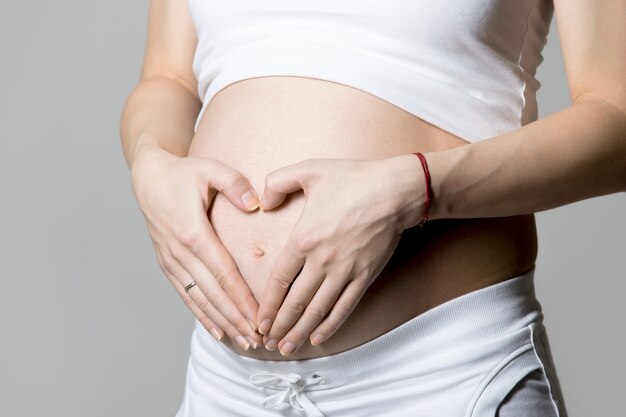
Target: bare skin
254, 129
443, 260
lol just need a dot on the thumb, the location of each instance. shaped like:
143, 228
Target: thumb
235, 187
283, 181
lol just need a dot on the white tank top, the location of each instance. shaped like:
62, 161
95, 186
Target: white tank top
466, 66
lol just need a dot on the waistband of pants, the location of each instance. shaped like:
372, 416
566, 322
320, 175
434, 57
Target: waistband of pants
473, 319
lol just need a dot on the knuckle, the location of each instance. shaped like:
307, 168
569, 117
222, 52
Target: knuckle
226, 282
364, 271
248, 298
297, 305
203, 304
270, 181
160, 261
233, 178
189, 302
344, 308
316, 313
329, 257
213, 298
189, 237
344, 269
304, 242
167, 262
242, 300
224, 277
164, 268
281, 281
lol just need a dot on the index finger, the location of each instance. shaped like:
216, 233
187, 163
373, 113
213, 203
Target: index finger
286, 268
209, 249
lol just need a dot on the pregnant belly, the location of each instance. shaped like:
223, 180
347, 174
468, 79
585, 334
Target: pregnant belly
262, 124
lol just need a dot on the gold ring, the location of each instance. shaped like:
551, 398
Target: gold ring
193, 283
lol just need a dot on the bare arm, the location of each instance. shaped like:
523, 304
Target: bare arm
161, 110
173, 190
574, 154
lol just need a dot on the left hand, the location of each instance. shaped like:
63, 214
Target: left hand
354, 214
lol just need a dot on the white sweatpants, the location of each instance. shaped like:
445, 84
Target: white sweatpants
459, 359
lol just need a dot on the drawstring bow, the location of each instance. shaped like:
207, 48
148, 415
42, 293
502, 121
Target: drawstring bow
291, 388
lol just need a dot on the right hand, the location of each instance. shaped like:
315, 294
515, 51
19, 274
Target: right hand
174, 194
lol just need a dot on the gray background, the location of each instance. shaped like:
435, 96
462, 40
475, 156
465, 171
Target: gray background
91, 327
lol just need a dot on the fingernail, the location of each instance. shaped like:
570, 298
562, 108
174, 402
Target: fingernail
252, 342
216, 334
271, 345
288, 347
251, 325
265, 326
250, 200
317, 339
242, 342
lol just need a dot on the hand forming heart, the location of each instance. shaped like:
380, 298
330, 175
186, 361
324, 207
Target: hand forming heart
354, 215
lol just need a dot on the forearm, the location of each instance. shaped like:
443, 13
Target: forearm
158, 113
575, 154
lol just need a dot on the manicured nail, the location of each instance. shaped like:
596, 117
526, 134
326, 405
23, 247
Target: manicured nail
251, 324
252, 342
287, 348
271, 345
265, 326
250, 200
242, 342
216, 334
317, 339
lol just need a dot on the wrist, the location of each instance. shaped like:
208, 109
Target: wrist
408, 189
427, 184
150, 154
146, 159
445, 166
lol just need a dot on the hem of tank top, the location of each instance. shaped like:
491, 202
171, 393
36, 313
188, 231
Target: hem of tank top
234, 73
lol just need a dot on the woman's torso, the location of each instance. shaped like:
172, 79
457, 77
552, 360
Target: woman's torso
261, 124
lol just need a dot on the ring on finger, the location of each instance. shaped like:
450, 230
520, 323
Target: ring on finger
189, 286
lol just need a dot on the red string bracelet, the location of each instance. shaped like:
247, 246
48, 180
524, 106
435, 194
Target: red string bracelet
429, 191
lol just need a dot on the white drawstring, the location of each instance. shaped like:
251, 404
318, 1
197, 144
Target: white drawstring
292, 386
